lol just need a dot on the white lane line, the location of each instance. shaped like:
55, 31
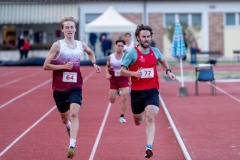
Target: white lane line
18, 79
25, 93
26, 131
175, 131
100, 132
226, 93
37, 122
9, 72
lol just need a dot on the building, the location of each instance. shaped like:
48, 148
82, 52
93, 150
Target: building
218, 20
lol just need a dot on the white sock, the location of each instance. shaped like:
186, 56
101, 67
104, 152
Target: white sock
72, 142
68, 124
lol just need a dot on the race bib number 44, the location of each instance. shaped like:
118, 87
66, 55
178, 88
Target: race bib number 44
147, 73
70, 77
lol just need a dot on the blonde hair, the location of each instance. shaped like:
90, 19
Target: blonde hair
65, 19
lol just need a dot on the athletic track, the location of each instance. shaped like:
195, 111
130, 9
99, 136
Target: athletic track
203, 127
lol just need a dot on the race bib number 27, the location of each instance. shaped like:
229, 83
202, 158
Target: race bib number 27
147, 73
70, 77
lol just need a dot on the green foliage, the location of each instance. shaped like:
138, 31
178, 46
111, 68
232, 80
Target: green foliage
188, 31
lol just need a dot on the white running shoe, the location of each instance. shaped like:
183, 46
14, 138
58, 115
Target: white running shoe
122, 120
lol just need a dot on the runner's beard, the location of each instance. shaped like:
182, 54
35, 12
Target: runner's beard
144, 45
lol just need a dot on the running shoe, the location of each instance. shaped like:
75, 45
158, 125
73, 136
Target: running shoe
71, 152
122, 120
149, 152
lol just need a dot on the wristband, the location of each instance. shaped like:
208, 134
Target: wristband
168, 70
94, 63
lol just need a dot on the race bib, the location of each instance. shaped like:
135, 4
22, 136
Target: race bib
70, 77
116, 72
147, 73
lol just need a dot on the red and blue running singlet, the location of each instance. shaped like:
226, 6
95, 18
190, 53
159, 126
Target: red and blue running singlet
147, 63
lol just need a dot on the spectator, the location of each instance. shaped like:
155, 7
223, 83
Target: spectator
186, 45
26, 48
106, 45
129, 42
93, 40
193, 49
20, 45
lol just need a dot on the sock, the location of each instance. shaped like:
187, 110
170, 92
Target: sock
68, 124
122, 115
149, 146
72, 142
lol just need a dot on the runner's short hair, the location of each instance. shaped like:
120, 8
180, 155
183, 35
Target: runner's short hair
65, 19
120, 40
143, 27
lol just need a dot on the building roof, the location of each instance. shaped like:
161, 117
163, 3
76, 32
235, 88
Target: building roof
36, 13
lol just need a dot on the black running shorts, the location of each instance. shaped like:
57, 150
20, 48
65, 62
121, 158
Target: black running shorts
63, 99
142, 98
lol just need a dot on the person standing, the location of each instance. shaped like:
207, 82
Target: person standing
129, 42
193, 49
20, 46
26, 48
117, 82
106, 45
64, 60
140, 64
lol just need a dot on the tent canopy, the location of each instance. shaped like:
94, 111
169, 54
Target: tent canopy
111, 21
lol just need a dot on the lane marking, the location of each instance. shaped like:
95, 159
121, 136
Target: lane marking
37, 122
175, 131
18, 79
225, 92
9, 72
26, 131
100, 132
25, 93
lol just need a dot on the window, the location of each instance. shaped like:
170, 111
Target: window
183, 18
230, 19
91, 17
196, 20
169, 20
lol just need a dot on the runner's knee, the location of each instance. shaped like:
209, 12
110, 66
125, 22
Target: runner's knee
73, 114
150, 119
112, 100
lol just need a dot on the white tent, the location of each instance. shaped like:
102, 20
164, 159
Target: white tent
110, 21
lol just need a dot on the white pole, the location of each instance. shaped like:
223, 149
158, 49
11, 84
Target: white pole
181, 68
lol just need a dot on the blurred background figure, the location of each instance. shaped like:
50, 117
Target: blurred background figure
20, 45
93, 40
129, 42
26, 48
193, 49
106, 44
186, 45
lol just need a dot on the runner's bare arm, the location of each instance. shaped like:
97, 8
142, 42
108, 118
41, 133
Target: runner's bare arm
91, 56
166, 68
51, 55
125, 72
108, 75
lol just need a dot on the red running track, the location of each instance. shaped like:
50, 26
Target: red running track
207, 124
